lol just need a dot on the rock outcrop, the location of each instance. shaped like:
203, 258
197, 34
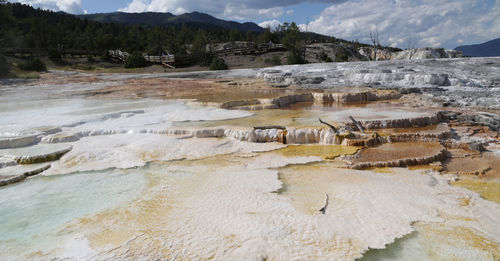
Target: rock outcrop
470, 82
426, 53
489, 120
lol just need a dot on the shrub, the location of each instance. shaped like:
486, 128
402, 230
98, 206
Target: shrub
218, 64
276, 60
205, 59
32, 65
341, 56
322, 56
54, 55
294, 58
184, 60
4, 67
28, 76
136, 60
106, 56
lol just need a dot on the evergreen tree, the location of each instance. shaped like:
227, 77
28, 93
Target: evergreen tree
218, 64
136, 60
294, 44
5, 20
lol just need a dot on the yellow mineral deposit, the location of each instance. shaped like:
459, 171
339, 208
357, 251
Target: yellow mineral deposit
488, 189
383, 170
324, 151
478, 172
453, 243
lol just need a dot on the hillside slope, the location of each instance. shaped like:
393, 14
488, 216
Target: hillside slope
487, 49
193, 19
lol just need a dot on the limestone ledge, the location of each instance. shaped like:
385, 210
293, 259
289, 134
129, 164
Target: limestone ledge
306, 135
398, 123
319, 97
6, 179
18, 141
352, 97
440, 156
287, 136
33, 159
442, 132
290, 135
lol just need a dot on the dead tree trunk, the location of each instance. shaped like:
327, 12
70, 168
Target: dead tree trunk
357, 124
329, 125
375, 42
411, 48
323, 209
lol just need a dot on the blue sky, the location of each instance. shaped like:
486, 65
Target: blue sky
436, 23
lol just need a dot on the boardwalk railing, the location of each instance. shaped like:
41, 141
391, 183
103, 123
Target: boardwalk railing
254, 49
119, 55
167, 60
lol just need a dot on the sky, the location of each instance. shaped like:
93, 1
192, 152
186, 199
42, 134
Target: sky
428, 23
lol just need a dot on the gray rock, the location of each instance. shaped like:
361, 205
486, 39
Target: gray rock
490, 120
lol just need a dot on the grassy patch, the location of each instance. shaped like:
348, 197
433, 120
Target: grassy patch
83, 67
28, 76
20, 74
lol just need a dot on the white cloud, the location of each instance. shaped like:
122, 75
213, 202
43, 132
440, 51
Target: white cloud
429, 22
273, 24
68, 6
229, 9
271, 12
243, 13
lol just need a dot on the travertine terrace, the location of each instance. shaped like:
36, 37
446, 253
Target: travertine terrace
236, 165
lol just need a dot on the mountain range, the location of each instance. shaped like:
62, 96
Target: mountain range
487, 49
151, 19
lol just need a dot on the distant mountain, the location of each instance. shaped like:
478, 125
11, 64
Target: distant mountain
490, 48
150, 19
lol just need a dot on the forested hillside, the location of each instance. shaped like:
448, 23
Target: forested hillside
152, 19
26, 27
186, 36
487, 49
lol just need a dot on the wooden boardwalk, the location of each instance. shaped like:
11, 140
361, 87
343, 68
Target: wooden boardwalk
167, 61
254, 49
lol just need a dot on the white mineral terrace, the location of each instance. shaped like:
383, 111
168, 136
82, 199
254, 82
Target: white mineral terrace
149, 179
